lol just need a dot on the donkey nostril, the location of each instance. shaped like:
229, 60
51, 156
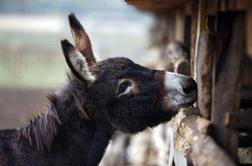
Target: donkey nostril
189, 86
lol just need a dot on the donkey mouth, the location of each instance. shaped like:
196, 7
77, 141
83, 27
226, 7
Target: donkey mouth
188, 100
180, 91
187, 104
179, 101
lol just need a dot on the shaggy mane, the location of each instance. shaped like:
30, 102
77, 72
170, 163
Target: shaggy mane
42, 128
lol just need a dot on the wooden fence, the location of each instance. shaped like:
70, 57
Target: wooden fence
219, 36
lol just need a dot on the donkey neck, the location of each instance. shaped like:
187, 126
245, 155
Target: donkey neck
67, 133
86, 134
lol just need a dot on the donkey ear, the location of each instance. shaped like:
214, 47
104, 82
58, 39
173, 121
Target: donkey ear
81, 39
77, 63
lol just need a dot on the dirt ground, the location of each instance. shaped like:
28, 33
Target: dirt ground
18, 105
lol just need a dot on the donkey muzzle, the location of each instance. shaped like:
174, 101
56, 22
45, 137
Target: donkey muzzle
179, 90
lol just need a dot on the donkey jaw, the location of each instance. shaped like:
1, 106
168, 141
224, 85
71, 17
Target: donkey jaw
180, 91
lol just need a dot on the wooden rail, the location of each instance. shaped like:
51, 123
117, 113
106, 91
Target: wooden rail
219, 35
192, 139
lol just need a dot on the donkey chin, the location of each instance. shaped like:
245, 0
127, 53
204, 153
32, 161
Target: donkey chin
180, 91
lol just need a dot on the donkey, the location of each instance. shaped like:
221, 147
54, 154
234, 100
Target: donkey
99, 99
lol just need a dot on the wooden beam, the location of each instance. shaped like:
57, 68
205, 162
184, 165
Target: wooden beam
206, 52
201, 26
195, 7
249, 33
245, 155
191, 139
226, 79
215, 6
239, 120
186, 126
158, 1
212, 6
152, 6
206, 152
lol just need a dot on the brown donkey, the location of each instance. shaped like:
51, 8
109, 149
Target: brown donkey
100, 98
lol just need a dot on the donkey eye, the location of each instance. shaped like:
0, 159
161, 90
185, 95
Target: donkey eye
124, 87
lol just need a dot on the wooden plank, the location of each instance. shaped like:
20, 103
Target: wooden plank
206, 52
154, 6
188, 8
193, 33
239, 120
186, 124
249, 33
226, 85
157, 1
206, 152
245, 155
201, 26
239, 5
189, 127
212, 6
190, 139
215, 6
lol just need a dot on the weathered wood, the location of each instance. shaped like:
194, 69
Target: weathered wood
239, 120
204, 64
212, 6
226, 85
249, 33
190, 138
206, 152
185, 126
245, 155
238, 5
157, 6
201, 26
194, 17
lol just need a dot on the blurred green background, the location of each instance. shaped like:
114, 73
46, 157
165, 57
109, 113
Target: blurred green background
31, 61
30, 33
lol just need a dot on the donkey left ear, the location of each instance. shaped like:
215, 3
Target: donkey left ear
81, 39
77, 63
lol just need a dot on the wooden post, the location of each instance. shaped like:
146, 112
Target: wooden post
204, 64
200, 26
249, 33
195, 8
226, 77
206, 152
191, 139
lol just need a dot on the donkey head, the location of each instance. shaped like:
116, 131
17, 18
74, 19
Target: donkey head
131, 97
